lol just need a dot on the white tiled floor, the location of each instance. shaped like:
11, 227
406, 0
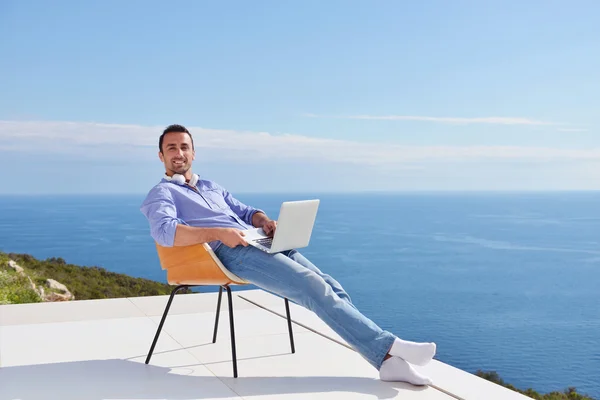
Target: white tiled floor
79, 340
95, 350
298, 313
20, 314
267, 370
174, 375
186, 304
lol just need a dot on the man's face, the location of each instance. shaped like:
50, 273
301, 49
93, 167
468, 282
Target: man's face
177, 153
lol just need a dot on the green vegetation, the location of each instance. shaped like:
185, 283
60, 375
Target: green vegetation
14, 288
568, 394
84, 283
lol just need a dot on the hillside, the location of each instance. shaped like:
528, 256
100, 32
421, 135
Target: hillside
25, 279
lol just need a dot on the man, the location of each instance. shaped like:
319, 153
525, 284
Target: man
185, 210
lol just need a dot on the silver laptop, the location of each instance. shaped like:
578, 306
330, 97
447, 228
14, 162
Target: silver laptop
294, 228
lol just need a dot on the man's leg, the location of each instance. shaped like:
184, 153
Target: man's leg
282, 275
335, 285
417, 353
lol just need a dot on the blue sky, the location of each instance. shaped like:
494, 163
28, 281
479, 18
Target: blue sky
305, 96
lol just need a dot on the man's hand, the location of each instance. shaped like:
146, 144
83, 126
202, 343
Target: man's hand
260, 220
232, 237
269, 227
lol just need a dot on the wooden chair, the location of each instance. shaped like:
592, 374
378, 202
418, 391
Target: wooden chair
198, 265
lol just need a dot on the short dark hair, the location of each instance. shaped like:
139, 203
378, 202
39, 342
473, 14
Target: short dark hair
174, 128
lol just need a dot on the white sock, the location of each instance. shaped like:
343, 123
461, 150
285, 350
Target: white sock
395, 369
413, 352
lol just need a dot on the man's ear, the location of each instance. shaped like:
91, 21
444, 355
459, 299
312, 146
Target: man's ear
160, 155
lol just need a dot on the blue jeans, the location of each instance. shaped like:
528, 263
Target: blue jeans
291, 275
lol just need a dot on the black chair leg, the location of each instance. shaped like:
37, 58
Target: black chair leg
235, 374
218, 312
162, 321
289, 320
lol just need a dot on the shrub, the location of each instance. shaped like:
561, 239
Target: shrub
568, 394
16, 289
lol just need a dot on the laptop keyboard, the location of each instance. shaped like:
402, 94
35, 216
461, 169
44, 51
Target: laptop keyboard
267, 242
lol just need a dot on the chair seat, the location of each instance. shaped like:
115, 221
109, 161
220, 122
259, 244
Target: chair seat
195, 265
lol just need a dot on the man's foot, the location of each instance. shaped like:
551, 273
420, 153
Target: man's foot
413, 352
397, 370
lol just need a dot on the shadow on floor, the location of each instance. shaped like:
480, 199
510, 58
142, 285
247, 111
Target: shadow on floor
123, 379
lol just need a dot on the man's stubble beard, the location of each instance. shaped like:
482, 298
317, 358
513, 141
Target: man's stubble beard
182, 170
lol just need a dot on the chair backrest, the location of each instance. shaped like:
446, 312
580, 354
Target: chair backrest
195, 265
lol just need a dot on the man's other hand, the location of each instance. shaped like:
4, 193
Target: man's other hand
232, 237
269, 227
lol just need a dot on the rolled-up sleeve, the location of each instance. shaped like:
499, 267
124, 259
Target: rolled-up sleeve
242, 210
159, 208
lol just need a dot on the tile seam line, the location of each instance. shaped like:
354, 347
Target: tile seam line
337, 341
163, 332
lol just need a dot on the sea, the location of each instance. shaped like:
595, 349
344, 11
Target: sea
501, 281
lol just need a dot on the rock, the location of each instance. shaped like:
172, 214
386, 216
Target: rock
16, 267
52, 296
58, 297
32, 284
52, 284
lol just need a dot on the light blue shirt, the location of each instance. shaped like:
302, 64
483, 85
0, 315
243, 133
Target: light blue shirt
168, 204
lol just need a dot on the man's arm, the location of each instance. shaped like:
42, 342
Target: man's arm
168, 230
186, 235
